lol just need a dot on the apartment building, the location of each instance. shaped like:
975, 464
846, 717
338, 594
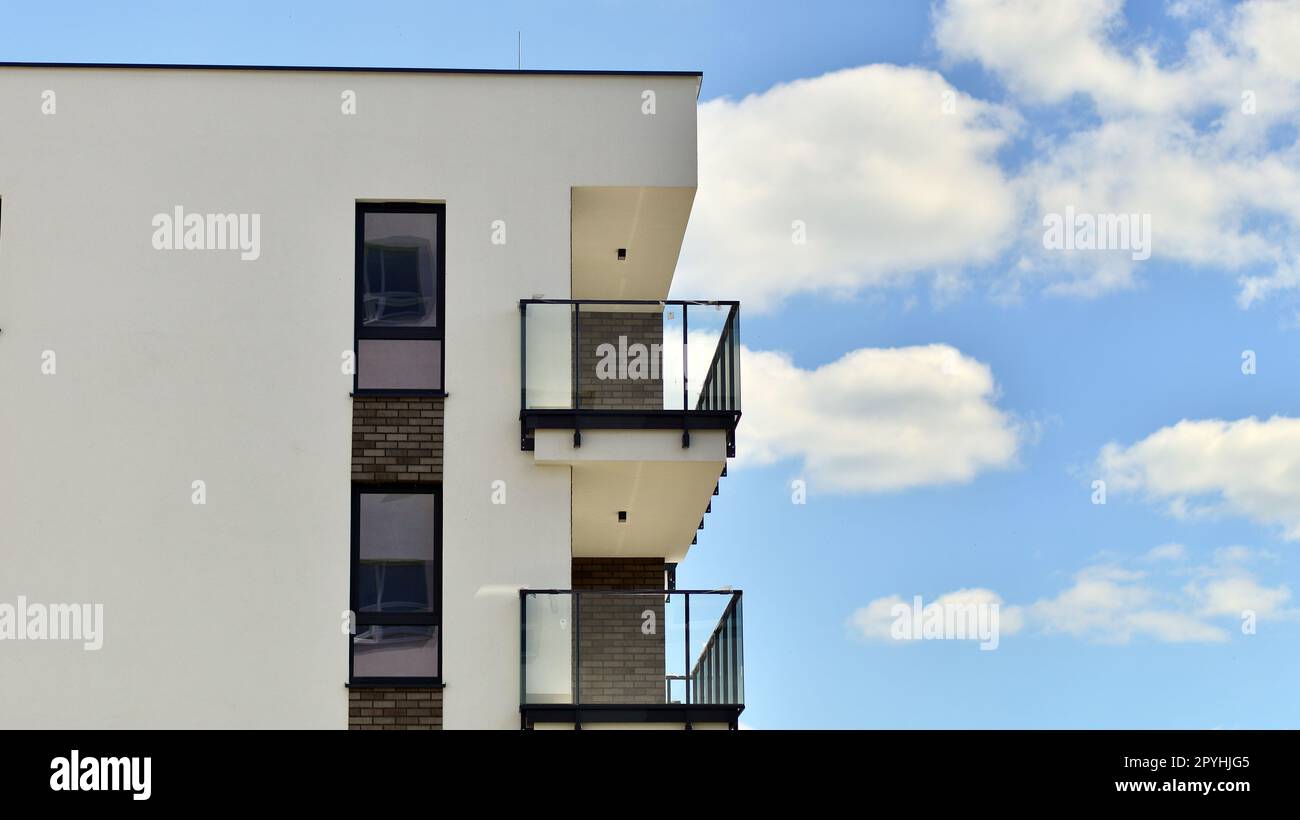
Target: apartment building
354, 398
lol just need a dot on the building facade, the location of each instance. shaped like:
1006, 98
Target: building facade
353, 398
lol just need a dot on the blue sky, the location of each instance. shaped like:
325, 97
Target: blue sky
924, 247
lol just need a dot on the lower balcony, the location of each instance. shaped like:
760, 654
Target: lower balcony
648, 659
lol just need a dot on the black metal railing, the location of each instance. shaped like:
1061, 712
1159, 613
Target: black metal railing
719, 674
570, 347
593, 363
630, 648
721, 387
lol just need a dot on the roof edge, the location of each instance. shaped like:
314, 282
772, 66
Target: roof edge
355, 69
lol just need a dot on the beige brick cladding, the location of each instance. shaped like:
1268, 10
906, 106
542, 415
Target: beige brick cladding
596, 328
395, 708
397, 438
618, 573
619, 662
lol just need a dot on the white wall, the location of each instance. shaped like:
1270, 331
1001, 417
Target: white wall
184, 365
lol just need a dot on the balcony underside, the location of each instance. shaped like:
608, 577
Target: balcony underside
648, 716
663, 489
648, 223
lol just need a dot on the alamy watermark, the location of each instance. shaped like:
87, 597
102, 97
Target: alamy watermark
946, 620
179, 231
636, 361
26, 621
1098, 232
75, 773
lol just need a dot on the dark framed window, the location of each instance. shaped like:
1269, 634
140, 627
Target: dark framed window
400, 289
396, 585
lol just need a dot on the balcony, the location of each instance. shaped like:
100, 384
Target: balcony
634, 365
619, 658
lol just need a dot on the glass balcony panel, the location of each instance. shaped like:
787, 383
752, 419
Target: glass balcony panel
548, 363
705, 329
548, 648
674, 317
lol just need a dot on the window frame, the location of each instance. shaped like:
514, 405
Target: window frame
437, 333
360, 619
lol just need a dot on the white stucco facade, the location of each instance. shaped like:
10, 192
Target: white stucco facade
178, 366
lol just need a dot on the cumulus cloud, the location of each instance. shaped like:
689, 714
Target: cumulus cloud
877, 419
885, 178
1167, 552
1115, 603
1210, 204
1211, 468
890, 173
1187, 143
893, 619
1112, 605
1233, 595
1048, 51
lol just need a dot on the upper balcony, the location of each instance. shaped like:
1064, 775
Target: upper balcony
602, 364
640, 399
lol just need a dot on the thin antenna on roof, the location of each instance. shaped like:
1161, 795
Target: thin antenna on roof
519, 50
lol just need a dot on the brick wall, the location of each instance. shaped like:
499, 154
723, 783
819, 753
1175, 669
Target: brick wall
397, 438
396, 708
597, 328
618, 573
619, 662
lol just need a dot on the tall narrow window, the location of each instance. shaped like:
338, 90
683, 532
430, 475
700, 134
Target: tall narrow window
399, 304
396, 584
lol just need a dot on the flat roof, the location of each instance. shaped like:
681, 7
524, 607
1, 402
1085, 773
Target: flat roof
364, 69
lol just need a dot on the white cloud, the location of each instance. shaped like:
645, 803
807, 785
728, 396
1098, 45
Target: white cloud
874, 621
1247, 468
1167, 552
1218, 194
1048, 50
876, 419
1231, 596
886, 183
890, 187
878, 620
1112, 603
1235, 554
1211, 203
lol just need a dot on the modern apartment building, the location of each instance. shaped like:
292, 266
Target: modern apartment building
354, 398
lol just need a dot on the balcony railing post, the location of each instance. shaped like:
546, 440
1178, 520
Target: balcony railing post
523, 356
577, 351
577, 648
733, 318
740, 640
523, 646
733, 694
689, 671
686, 313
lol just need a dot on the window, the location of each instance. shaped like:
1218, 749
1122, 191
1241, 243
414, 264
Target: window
396, 584
399, 302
